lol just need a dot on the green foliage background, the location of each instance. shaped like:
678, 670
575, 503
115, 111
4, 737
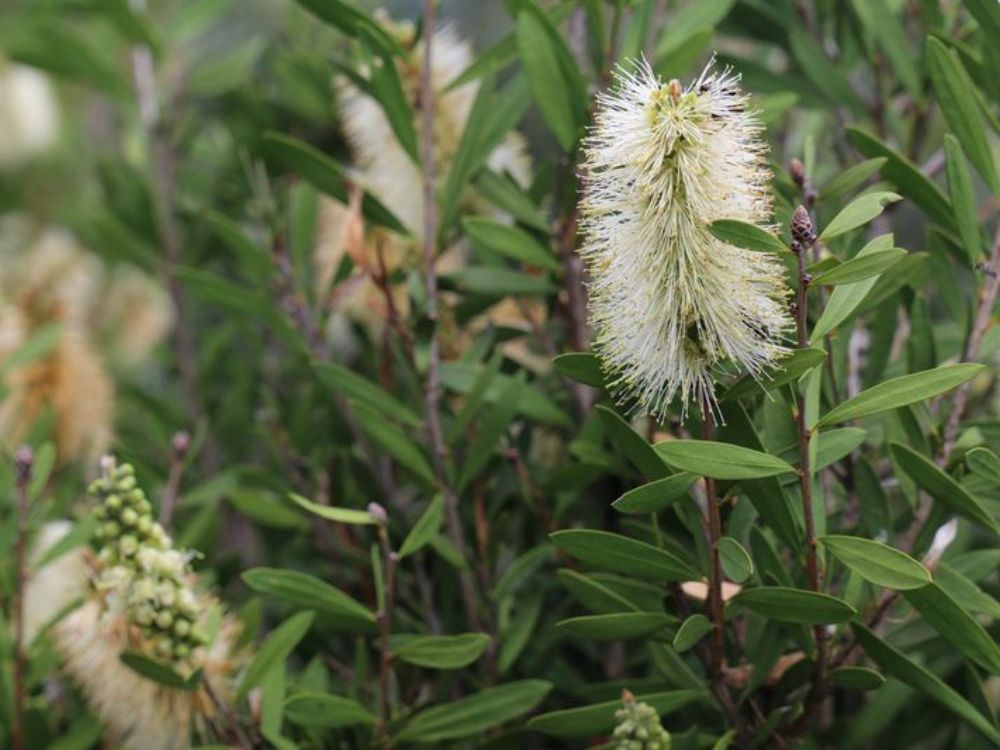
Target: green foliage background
547, 544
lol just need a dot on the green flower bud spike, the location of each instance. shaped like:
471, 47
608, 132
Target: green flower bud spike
150, 578
639, 726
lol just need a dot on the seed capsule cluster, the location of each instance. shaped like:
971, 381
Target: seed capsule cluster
142, 572
639, 727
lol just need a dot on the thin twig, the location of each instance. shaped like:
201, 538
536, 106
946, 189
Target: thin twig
803, 237
714, 523
384, 619
162, 184
432, 383
23, 461
178, 451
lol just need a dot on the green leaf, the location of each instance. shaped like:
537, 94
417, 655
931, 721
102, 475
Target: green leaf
691, 631
509, 241
275, 649
614, 553
599, 718
252, 259
615, 626
858, 212
41, 342
326, 711
984, 463
331, 513
896, 664
877, 563
942, 487
349, 19
356, 387
906, 176
154, 670
707, 458
583, 367
824, 75
856, 678
425, 529
795, 605
392, 440
956, 625
491, 428
387, 88
745, 235
326, 175
593, 594
833, 445
850, 179
884, 24
792, 367
498, 282
954, 94
632, 445
963, 198
655, 496
845, 299
440, 651
901, 391
736, 561
212, 287
507, 195
694, 19
544, 57
860, 268
309, 592
474, 715
78, 535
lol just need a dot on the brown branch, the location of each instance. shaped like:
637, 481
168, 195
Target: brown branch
432, 383
171, 493
803, 237
162, 183
23, 461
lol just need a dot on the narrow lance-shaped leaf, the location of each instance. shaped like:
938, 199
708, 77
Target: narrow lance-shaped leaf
954, 92
963, 197
745, 235
858, 212
860, 268
956, 625
720, 460
620, 554
795, 605
942, 487
901, 391
896, 664
616, 625
877, 563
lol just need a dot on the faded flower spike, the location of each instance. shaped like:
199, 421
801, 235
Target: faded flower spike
671, 303
638, 726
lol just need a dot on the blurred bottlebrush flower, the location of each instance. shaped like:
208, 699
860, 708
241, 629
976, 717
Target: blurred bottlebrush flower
387, 171
140, 596
47, 277
29, 114
669, 302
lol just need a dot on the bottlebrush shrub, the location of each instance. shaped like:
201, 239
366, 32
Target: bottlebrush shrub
601, 373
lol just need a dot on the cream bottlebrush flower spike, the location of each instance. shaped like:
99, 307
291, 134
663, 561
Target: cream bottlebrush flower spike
669, 302
139, 594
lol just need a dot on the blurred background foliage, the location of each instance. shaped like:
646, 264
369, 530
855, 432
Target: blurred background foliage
187, 245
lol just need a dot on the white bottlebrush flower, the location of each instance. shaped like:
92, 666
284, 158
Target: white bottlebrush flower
29, 114
137, 597
669, 302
